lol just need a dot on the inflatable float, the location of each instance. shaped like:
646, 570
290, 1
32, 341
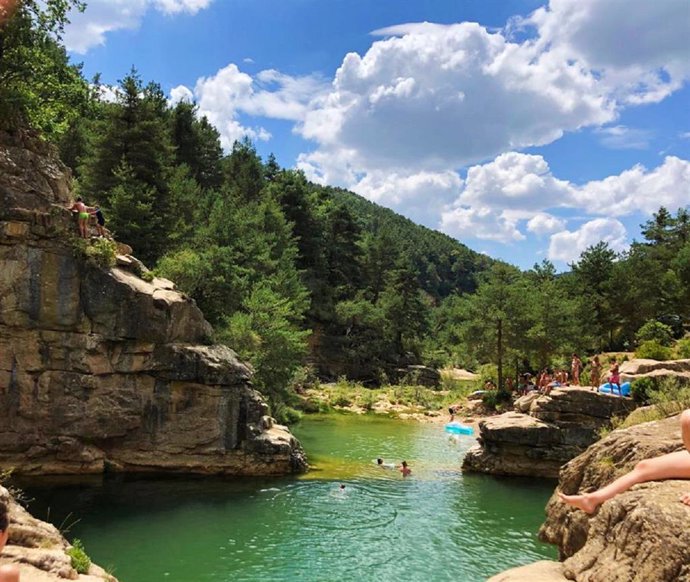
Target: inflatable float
457, 428
606, 389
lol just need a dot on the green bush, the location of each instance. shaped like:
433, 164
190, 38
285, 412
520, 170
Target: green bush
101, 253
80, 560
653, 350
655, 331
286, 414
671, 396
147, 276
683, 348
642, 389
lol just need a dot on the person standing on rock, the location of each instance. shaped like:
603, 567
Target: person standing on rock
575, 369
595, 373
615, 376
8, 572
83, 216
670, 466
100, 227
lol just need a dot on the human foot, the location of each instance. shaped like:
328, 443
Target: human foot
685, 498
583, 502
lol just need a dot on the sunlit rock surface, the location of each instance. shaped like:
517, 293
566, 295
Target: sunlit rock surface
101, 370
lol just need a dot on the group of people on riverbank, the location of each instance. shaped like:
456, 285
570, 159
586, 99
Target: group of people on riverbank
549, 378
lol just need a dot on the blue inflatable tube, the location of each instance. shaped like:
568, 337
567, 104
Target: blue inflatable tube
457, 428
606, 389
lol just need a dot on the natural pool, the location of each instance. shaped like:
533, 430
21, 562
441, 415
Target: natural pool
436, 525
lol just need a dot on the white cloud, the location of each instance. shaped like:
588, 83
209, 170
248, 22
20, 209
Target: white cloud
567, 246
229, 93
444, 96
638, 189
179, 94
620, 137
518, 187
544, 223
482, 223
401, 192
638, 47
515, 181
89, 29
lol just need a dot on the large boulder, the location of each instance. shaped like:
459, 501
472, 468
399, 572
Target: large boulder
102, 370
556, 428
637, 536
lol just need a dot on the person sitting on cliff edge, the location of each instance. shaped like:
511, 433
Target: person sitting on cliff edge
674, 465
8, 572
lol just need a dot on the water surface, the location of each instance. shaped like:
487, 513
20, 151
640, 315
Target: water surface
435, 525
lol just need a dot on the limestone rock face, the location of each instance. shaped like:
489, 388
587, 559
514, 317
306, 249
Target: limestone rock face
637, 536
38, 549
557, 428
101, 370
639, 368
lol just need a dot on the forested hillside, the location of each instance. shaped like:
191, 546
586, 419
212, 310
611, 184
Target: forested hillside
290, 272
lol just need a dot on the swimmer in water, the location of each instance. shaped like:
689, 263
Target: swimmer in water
405, 470
382, 465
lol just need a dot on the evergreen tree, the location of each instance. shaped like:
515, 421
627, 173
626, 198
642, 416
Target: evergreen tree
38, 85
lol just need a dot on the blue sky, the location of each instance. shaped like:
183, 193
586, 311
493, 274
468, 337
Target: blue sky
527, 129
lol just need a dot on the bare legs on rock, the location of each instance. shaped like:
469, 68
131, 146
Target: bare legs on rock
671, 466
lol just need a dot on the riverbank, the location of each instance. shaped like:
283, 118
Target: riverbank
406, 402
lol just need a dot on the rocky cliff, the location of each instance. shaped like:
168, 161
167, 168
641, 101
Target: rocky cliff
640, 535
101, 370
39, 550
553, 430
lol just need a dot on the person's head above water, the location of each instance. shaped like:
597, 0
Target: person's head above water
379, 461
404, 463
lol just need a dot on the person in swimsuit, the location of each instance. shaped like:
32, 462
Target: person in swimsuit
83, 217
405, 470
595, 373
575, 369
100, 227
670, 466
614, 376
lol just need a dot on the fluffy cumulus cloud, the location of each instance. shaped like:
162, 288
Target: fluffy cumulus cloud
568, 245
638, 189
543, 223
515, 192
89, 29
445, 96
639, 48
231, 93
483, 223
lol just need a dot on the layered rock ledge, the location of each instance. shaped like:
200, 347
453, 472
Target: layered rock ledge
39, 550
640, 368
555, 429
101, 370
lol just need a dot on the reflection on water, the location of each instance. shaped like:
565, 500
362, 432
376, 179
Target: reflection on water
435, 525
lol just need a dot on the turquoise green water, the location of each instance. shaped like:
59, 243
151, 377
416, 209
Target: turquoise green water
435, 525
